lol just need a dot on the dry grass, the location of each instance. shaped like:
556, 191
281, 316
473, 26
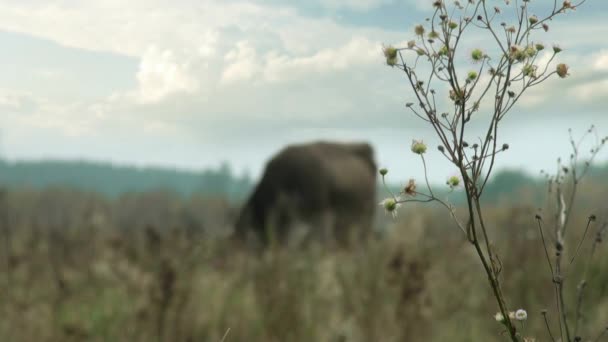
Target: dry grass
79, 272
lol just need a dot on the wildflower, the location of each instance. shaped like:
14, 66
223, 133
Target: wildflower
391, 55
562, 70
391, 205
521, 315
410, 188
517, 53
411, 44
419, 30
539, 46
453, 182
530, 51
418, 147
529, 70
477, 55
383, 171
499, 317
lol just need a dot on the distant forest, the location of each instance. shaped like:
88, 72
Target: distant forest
112, 181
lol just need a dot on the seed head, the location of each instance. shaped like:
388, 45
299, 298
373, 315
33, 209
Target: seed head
530, 51
410, 188
529, 70
562, 70
533, 19
391, 55
411, 44
539, 46
452, 25
419, 30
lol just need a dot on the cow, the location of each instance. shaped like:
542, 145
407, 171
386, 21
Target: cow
326, 190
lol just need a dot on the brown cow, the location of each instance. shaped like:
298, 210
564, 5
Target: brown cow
329, 189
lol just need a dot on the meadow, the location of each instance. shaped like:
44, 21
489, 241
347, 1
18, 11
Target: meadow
154, 266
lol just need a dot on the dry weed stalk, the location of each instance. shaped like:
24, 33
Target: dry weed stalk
500, 77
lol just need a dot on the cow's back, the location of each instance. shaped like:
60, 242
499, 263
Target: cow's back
314, 183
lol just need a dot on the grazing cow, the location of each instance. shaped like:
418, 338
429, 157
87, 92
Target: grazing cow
326, 190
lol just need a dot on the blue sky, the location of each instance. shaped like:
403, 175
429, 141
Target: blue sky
190, 83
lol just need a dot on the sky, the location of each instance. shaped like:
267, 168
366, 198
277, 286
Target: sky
188, 84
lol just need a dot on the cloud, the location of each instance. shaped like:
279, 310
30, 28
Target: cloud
160, 75
357, 5
219, 72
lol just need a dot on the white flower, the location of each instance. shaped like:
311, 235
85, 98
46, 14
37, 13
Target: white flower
390, 205
499, 317
521, 315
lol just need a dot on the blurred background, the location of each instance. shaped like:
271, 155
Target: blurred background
132, 132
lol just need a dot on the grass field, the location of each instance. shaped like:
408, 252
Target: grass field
77, 267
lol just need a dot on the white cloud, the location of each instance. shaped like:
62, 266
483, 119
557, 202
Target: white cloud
161, 75
358, 5
242, 63
601, 61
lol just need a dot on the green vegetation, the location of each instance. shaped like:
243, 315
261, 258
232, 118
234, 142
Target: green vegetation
113, 181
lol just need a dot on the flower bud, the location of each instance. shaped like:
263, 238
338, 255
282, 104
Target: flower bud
383, 171
453, 182
533, 20
472, 76
477, 55
418, 147
557, 49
